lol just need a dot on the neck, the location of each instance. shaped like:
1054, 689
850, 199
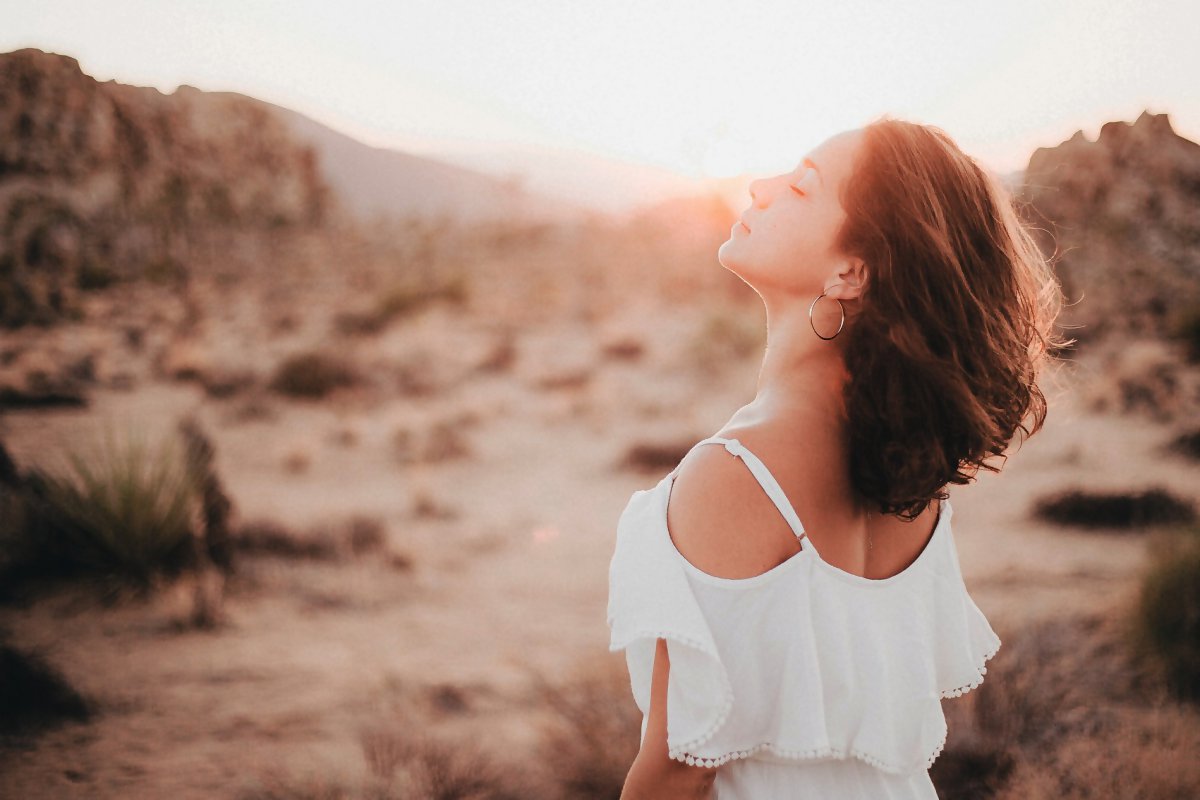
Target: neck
799, 369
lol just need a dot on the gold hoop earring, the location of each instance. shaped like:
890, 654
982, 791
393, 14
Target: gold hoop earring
841, 324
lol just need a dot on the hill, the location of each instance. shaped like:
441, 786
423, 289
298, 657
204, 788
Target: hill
374, 181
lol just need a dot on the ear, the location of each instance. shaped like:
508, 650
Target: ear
848, 281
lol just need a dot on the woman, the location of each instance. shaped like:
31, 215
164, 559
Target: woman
790, 600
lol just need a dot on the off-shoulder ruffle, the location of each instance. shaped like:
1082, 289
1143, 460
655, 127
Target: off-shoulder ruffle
838, 672
699, 693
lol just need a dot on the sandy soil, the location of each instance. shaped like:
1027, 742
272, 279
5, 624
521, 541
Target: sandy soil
514, 582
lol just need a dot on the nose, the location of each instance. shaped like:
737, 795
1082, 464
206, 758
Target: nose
757, 191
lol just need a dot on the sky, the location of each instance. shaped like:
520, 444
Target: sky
700, 87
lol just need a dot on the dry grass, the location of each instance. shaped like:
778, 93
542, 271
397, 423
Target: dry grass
624, 348
403, 765
1151, 756
1167, 615
442, 441
1186, 444
564, 380
501, 356
313, 375
296, 461
1115, 510
401, 300
425, 506
1139, 377
1069, 709
449, 771
262, 537
654, 456
592, 735
1186, 329
358, 536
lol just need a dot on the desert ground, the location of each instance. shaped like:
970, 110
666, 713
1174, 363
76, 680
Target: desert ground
496, 478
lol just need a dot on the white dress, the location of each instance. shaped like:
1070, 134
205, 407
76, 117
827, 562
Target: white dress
804, 681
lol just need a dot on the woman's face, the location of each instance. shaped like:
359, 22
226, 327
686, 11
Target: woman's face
785, 239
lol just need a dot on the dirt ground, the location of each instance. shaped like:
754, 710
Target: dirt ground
511, 582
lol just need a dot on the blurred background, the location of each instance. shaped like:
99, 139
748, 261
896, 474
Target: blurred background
335, 337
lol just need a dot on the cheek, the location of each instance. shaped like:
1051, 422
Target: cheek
803, 238
820, 231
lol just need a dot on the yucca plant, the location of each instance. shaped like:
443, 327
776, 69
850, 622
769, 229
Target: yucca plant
122, 511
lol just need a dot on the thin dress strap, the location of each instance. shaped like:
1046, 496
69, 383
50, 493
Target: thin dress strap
765, 479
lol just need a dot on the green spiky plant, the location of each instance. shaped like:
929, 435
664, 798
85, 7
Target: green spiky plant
121, 512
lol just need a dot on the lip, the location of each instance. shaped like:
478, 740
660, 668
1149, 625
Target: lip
744, 225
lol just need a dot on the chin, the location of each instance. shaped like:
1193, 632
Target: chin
727, 255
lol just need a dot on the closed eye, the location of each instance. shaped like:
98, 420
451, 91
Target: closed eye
809, 168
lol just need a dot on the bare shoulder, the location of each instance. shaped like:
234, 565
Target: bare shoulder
722, 521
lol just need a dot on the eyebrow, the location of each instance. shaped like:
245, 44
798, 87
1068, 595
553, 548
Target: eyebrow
809, 162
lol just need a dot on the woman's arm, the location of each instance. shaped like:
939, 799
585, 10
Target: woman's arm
654, 774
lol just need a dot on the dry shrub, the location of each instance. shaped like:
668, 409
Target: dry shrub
408, 765
1167, 615
268, 538
1030, 701
404, 766
312, 375
358, 323
365, 534
255, 408
357, 536
223, 383
565, 379
1187, 444
593, 734
280, 787
215, 505
1139, 377
419, 374
297, 461
344, 436
654, 456
1121, 510
1150, 757
34, 695
441, 442
384, 750
42, 389
626, 348
186, 359
401, 562
426, 506
450, 771
1066, 710
501, 356
403, 299
1187, 330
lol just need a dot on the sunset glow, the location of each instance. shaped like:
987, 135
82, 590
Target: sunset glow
702, 88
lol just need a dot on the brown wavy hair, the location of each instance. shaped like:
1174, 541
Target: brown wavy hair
956, 321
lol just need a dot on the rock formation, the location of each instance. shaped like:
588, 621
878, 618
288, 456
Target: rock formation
1123, 213
101, 182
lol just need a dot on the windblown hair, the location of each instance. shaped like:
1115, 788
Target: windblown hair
956, 320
